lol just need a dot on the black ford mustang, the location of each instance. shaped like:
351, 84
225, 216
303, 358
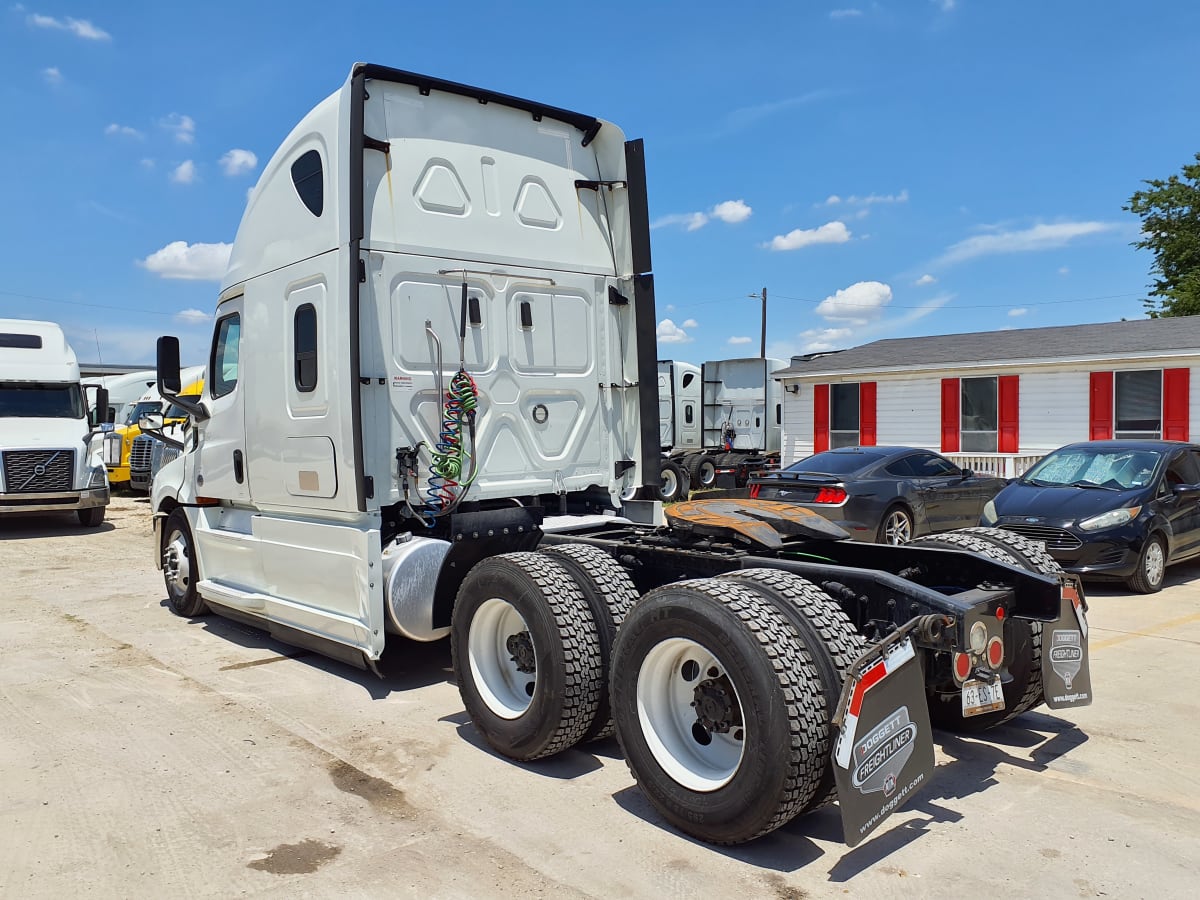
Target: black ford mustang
884, 494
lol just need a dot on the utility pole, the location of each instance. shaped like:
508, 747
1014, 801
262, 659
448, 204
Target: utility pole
763, 346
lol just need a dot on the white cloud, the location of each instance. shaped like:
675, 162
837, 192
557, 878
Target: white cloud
690, 221
690, 323
1063, 270
845, 13
184, 173
190, 262
832, 200
237, 162
924, 280
945, 5
1018, 311
748, 116
183, 127
829, 233
670, 307
192, 317
1039, 237
147, 163
740, 340
123, 131
731, 211
670, 333
78, 27
52, 75
817, 340
861, 302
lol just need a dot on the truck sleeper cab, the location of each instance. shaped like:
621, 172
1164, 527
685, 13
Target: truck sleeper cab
434, 345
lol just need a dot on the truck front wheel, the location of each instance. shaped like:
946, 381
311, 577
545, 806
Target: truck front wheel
180, 572
718, 710
91, 517
526, 655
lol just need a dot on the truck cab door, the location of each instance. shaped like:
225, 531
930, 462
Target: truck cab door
222, 459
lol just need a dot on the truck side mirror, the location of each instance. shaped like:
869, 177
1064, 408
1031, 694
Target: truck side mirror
103, 414
150, 422
168, 366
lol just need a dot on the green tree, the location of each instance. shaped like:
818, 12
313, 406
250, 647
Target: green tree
1170, 214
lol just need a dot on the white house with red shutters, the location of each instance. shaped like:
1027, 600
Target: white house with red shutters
997, 400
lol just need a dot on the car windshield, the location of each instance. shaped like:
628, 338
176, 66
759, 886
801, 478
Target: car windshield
836, 462
41, 401
144, 407
1095, 467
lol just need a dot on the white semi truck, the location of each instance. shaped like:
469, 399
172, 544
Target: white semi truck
49, 461
737, 424
432, 379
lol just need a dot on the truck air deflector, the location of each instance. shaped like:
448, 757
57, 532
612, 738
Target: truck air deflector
358, 95
589, 125
647, 373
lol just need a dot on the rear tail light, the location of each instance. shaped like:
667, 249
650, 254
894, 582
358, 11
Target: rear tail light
830, 495
995, 652
962, 666
754, 489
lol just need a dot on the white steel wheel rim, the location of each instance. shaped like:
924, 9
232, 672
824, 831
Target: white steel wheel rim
897, 529
177, 563
668, 719
707, 472
1155, 566
670, 484
504, 689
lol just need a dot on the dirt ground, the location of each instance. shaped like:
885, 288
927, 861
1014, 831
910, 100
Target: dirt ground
142, 754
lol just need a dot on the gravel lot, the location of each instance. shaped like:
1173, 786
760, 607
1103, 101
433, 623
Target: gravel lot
142, 754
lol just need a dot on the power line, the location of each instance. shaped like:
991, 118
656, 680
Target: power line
846, 303
149, 312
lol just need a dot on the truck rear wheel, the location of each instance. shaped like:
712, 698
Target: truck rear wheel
180, 571
526, 655
691, 463
609, 593
830, 638
706, 471
1022, 637
675, 482
718, 710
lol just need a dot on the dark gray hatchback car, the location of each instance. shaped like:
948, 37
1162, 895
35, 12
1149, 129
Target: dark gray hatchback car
884, 494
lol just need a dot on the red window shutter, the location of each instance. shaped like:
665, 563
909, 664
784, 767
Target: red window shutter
1009, 411
950, 420
1100, 409
866, 413
820, 417
1175, 404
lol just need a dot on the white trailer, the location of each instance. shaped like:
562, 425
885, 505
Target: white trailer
48, 459
678, 423
432, 379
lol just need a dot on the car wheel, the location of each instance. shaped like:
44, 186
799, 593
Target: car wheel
1151, 568
896, 527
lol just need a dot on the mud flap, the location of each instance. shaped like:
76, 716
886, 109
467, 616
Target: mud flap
1066, 674
884, 751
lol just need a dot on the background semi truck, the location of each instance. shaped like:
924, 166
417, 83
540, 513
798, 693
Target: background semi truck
49, 456
432, 380
738, 425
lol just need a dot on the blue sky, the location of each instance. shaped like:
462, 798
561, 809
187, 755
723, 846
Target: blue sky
883, 169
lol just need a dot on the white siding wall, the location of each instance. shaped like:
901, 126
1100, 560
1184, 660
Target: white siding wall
797, 425
1054, 409
908, 411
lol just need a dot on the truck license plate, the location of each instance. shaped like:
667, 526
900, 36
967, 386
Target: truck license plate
979, 697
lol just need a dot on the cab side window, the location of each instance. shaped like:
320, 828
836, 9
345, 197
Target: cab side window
223, 365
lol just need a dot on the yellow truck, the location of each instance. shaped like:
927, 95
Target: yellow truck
119, 443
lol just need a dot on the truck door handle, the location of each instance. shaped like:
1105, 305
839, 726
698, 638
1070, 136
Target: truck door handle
238, 466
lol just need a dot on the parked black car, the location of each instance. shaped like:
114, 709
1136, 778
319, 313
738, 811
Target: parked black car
1109, 509
884, 494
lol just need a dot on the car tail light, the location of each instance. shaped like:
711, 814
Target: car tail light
830, 495
962, 666
995, 652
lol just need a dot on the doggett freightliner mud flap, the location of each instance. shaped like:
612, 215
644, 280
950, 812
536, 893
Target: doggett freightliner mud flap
884, 750
1066, 674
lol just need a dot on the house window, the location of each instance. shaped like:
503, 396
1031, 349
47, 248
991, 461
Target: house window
1138, 402
843, 415
978, 419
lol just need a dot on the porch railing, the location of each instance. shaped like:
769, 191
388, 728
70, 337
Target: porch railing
1003, 465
